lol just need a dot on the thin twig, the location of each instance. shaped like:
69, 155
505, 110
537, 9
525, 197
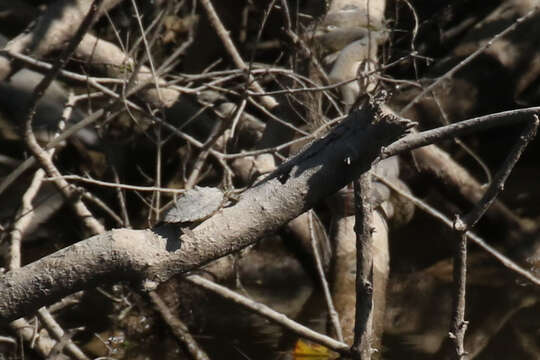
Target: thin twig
270, 314
147, 51
268, 101
468, 59
31, 161
178, 328
334, 316
159, 144
497, 185
86, 195
237, 117
503, 259
68, 301
416, 140
116, 185
458, 325
214, 137
24, 217
122, 200
59, 334
41, 155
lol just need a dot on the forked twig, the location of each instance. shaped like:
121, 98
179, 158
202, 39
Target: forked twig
458, 325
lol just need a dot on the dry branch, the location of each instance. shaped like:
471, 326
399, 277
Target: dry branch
364, 228
154, 256
51, 31
459, 324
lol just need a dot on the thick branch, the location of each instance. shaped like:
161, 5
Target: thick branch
327, 165
51, 31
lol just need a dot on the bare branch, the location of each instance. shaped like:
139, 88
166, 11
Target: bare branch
270, 314
469, 58
364, 268
462, 225
179, 329
416, 140
137, 255
51, 31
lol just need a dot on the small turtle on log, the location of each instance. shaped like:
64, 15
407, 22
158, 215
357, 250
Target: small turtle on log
195, 206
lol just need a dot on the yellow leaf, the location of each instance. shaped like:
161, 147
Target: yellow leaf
305, 350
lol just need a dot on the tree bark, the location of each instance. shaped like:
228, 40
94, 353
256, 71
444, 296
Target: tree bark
152, 256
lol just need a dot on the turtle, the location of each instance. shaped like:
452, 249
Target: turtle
195, 206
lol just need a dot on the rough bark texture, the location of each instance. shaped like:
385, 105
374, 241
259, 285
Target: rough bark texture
327, 165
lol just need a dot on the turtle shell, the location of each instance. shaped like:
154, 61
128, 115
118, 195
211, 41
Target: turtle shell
195, 204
